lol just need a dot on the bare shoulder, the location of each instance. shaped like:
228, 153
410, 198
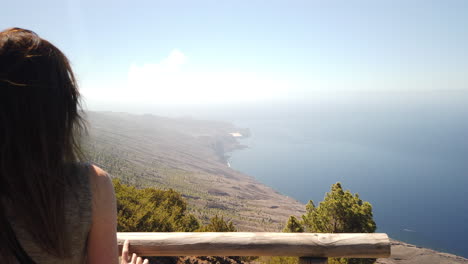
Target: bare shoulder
102, 240
101, 183
98, 177
98, 174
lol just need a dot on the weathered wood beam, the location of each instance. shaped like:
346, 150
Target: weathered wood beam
356, 245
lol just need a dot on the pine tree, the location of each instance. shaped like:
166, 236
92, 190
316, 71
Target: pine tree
340, 212
293, 225
217, 224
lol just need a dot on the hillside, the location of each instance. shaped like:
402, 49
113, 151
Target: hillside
190, 156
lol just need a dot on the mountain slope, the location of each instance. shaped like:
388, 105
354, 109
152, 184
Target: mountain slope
188, 156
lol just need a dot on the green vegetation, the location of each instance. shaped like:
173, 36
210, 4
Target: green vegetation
293, 225
339, 212
217, 224
152, 210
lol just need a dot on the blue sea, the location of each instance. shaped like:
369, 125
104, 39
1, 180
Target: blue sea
405, 153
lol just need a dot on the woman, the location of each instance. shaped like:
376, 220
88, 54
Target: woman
53, 209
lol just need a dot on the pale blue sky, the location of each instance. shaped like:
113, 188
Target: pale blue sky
216, 51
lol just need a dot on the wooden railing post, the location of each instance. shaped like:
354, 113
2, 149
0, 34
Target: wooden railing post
310, 260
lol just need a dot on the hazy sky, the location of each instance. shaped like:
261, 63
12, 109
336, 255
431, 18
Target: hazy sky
235, 51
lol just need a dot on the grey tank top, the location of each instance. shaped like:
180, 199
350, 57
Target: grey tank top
78, 220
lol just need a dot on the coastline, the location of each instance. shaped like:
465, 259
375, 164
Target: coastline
402, 252
230, 143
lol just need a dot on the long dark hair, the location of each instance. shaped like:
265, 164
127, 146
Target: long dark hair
39, 135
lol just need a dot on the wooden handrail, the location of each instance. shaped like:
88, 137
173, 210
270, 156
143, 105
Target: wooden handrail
314, 245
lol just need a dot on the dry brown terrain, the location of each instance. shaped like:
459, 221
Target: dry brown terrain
189, 156
403, 253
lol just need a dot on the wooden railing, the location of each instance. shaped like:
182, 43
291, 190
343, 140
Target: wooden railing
310, 247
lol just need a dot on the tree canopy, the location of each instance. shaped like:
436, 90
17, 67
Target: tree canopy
218, 224
151, 210
293, 225
339, 212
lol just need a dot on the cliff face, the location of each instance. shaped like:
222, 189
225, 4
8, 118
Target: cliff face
189, 156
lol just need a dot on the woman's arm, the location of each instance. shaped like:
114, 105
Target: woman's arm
102, 240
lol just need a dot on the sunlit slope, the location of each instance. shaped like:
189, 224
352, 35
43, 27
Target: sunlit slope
189, 156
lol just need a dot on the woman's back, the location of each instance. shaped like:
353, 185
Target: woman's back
78, 219
53, 209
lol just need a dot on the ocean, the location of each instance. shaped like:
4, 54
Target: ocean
406, 155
